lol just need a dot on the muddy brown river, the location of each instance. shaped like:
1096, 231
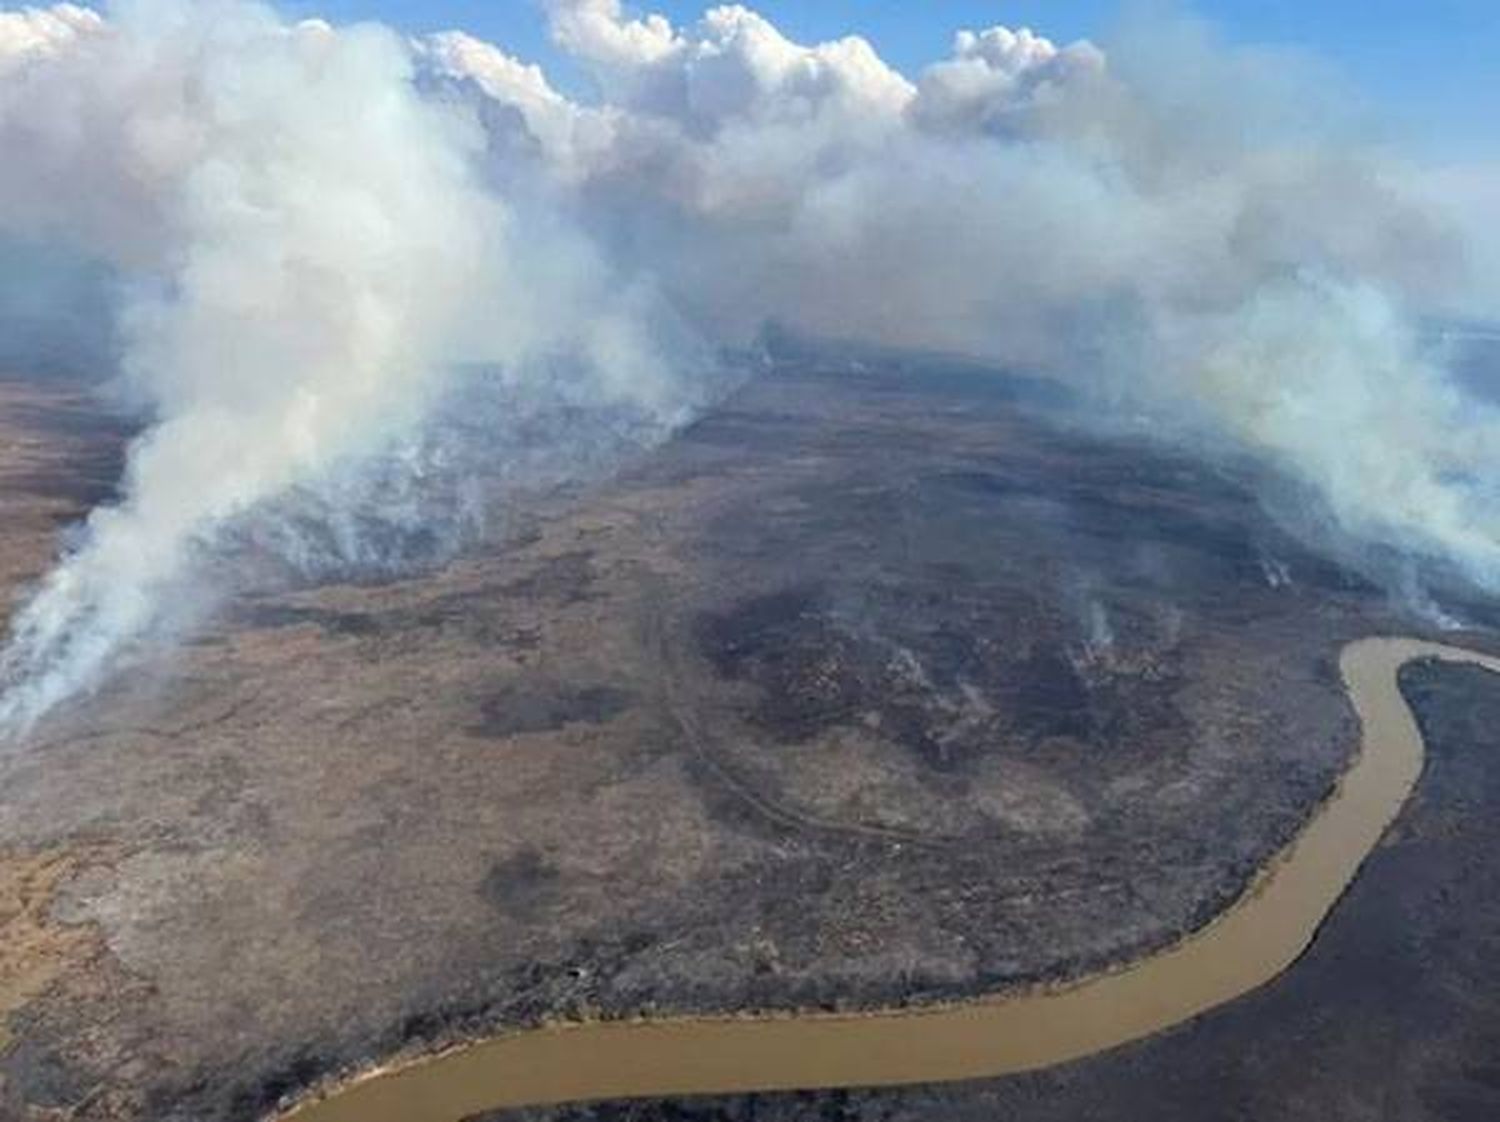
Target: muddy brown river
1247, 945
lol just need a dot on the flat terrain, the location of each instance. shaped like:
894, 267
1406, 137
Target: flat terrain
875, 686
1393, 1014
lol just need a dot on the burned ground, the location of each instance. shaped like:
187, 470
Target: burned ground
868, 688
1393, 1013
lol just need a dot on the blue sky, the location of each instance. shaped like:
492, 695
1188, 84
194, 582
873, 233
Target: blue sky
1431, 66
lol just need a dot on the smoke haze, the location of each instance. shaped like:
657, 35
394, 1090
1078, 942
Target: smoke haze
308, 241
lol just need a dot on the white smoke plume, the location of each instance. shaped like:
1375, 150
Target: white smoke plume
306, 252
314, 230
1175, 227
296, 291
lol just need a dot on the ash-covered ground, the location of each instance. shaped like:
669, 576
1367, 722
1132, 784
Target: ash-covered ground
881, 684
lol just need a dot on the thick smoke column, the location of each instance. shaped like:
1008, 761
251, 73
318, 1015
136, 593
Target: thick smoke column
313, 231
305, 252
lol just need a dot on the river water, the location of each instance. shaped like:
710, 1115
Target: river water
1250, 943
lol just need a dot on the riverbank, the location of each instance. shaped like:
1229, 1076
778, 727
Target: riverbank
865, 692
1257, 938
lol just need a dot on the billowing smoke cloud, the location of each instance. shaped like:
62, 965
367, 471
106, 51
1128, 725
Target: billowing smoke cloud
1178, 229
317, 233
305, 231
43, 32
306, 255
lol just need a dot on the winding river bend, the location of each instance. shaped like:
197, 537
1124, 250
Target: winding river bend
1247, 945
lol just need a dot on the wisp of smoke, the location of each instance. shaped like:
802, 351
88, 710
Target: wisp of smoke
316, 236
